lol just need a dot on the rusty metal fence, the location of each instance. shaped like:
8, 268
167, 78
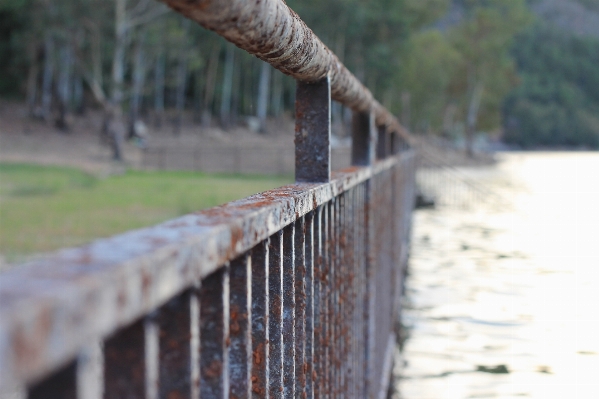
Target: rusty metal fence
291, 293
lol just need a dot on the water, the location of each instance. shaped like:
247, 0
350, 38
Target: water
503, 299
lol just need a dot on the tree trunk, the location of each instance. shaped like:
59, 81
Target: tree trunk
78, 102
182, 73
336, 119
47, 77
159, 68
181, 86
32, 77
139, 77
448, 119
114, 118
235, 95
262, 107
64, 88
210, 81
225, 100
197, 95
277, 94
405, 109
472, 117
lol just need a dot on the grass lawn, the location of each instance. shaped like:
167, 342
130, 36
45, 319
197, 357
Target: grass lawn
44, 208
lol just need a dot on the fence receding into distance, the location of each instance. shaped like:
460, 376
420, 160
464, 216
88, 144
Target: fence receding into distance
290, 293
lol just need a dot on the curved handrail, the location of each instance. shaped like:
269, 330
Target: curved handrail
274, 33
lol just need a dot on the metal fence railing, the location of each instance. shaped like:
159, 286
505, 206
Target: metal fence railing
291, 293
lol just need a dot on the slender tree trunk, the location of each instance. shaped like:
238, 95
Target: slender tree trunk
347, 121
448, 119
263, 89
47, 77
114, 117
64, 87
225, 100
181, 84
197, 95
78, 102
210, 82
159, 68
336, 119
139, 77
406, 109
32, 78
236, 94
180, 94
277, 94
472, 117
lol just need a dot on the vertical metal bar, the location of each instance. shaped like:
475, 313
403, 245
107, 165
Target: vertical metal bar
343, 273
90, 378
194, 308
174, 358
319, 348
275, 316
240, 349
289, 311
151, 332
352, 241
331, 299
364, 137
260, 302
313, 131
300, 305
362, 292
370, 291
325, 301
214, 335
310, 295
60, 385
381, 142
124, 363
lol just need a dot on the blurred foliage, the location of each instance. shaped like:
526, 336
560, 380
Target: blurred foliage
466, 74
558, 100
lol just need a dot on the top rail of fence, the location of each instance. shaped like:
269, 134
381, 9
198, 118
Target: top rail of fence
274, 33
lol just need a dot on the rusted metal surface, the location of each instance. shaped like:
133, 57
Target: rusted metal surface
273, 32
184, 251
174, 359
309, 370
260, 317
214, 335
289, 311
300, 305
313, 131
53, 306
275, 316
124, 363
61, 385
240, 345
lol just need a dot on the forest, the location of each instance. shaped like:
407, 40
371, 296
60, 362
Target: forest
509, 70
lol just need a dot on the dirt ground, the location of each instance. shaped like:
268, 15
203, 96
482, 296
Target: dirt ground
23, 139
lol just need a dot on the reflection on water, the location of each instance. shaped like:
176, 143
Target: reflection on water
503, 302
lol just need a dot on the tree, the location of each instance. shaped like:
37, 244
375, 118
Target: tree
487, 71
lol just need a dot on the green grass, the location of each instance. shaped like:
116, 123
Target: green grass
45, 208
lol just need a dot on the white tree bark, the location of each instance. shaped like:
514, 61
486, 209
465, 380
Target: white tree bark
263, 90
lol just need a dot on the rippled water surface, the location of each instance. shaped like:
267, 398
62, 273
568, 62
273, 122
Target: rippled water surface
503, 299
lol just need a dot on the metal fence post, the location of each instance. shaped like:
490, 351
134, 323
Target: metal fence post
313, 131
364, 138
